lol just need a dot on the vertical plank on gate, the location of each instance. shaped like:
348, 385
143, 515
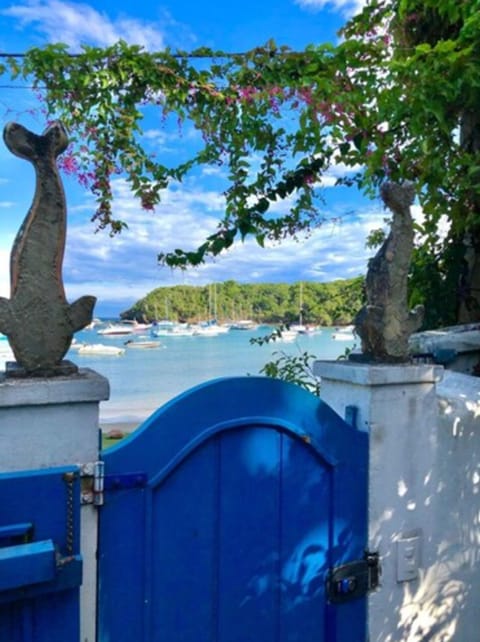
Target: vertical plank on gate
306, 515
249, 536
184, 505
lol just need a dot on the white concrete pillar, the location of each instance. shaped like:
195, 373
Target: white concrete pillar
397, 406
47, 422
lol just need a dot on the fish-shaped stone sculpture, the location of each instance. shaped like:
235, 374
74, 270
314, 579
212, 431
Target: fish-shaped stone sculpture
37, 319
385, 323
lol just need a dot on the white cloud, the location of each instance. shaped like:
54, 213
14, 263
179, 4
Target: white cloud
122, 269
336, 171
443, 224
76, 23
209, 170
345, 7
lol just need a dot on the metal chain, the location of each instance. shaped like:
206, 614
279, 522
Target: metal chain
70, 479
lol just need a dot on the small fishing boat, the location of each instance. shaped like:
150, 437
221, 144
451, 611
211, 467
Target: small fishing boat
100, 348
344, 334
142, 344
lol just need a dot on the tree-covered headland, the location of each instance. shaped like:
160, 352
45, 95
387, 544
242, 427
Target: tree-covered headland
334, 303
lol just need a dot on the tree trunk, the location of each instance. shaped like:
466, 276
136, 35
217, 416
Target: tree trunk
469, 286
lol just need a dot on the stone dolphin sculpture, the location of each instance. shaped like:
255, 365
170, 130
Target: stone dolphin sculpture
385, 323
37, 319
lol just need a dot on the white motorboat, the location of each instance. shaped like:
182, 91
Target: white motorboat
305, 329
6, 353
299, 328
142, 344
244, 324
344, 334
93, 324
116, 329
136, 326
100, 348
206, 331
171, 329
128, 326
210, 329
288, 335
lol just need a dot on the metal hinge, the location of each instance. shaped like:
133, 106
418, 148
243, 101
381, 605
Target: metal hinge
92, 477
354, 579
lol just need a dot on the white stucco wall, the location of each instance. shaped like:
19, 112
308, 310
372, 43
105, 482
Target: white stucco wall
424, 481
54, 422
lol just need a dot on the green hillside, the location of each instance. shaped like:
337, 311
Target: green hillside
334, 303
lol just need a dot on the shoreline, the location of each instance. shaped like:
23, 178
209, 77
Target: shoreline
111, 425
124, 426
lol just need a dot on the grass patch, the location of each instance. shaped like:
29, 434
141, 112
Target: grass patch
108, 441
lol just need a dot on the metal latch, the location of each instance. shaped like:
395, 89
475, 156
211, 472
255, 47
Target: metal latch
354, 579
92, 478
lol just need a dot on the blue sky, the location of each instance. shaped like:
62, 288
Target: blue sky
120, 270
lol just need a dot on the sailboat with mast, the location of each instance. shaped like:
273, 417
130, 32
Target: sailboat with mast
167, 328
211, 327
300, 327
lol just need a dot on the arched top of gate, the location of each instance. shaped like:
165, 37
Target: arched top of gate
183, 424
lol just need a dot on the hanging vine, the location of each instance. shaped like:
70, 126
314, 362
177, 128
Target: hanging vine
387, 102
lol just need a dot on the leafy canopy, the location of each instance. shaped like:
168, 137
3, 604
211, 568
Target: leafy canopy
387, 102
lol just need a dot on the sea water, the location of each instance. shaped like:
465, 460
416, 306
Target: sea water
142, 380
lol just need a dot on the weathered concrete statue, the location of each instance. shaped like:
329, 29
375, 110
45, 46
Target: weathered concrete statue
37, 319
384, 324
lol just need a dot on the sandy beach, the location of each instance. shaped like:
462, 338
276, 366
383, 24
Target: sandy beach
120, 426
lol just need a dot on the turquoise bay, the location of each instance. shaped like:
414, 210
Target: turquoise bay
143, 380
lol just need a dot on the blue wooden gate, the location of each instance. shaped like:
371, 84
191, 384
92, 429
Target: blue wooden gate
224, 514
40, 564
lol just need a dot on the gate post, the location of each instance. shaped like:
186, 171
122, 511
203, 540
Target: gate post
398, 407
49, 422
